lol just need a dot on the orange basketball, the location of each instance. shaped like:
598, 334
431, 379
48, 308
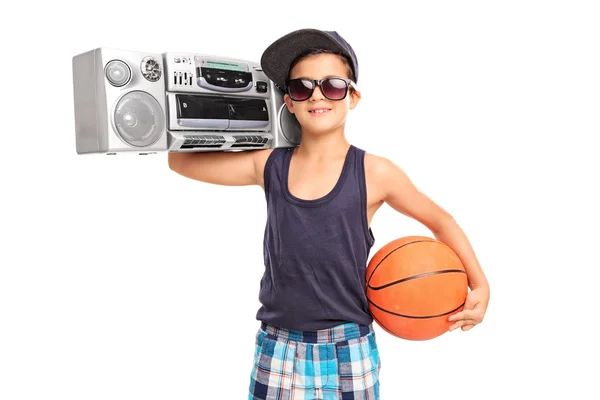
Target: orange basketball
414, 284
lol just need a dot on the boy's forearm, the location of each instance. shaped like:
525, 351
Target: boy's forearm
177, 158
453, 236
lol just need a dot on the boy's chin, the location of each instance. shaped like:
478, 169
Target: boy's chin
317, 131
319, 127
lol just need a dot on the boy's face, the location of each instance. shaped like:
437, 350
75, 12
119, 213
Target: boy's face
335, 111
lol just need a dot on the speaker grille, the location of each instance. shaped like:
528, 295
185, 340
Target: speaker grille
139, 119
151, 69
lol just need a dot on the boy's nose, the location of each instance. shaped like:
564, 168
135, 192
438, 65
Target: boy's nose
317, 94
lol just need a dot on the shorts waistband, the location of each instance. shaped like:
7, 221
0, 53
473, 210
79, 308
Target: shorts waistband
347, 331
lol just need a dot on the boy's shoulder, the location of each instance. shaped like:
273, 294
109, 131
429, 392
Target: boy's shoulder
376, 164
381, 171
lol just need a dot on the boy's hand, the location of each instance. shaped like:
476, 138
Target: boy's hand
473, 311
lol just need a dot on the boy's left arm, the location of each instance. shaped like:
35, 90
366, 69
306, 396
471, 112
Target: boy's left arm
402, 195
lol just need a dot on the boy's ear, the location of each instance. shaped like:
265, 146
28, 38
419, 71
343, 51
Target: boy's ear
355, 97
288, 103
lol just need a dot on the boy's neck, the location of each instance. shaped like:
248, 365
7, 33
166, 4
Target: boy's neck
319, 147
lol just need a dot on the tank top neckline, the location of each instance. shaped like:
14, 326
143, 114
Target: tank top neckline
314, 202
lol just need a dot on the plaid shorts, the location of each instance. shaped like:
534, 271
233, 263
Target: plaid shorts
338, 363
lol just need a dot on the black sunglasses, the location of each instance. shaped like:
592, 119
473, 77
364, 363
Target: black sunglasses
332, 88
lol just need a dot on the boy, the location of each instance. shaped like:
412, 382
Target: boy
316, 339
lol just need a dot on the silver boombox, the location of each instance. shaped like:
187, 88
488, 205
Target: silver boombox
128, 101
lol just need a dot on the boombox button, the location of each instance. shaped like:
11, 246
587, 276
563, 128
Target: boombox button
261, 87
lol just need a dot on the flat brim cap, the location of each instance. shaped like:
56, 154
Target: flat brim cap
279, 56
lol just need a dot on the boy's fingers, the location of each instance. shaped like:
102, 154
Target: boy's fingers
454, 317
462, 323
461, 315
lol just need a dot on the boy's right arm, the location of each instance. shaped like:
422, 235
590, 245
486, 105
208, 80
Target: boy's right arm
240, 168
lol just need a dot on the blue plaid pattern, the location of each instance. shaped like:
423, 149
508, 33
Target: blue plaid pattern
339, 363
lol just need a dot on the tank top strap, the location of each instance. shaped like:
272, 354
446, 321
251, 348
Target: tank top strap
274, 170
359, 185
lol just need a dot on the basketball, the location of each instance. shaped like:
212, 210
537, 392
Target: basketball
413, 285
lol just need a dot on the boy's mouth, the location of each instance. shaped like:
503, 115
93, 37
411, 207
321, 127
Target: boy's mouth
319, 111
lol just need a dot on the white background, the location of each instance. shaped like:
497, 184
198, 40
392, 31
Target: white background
120, 279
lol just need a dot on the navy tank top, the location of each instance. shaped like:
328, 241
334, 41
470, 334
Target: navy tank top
315, 251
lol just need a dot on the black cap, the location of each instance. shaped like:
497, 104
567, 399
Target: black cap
279, 56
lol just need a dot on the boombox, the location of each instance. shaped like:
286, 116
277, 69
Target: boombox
127, 101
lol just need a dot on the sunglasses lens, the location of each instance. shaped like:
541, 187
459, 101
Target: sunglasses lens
334, 88
300, 89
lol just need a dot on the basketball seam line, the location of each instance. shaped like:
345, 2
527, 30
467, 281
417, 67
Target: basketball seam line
397, 248
415, 316
424, 274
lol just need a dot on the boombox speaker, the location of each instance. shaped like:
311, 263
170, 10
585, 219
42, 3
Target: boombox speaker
119, 102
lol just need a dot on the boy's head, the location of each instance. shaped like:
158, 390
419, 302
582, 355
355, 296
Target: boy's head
277, 59
318, 70
316, 51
